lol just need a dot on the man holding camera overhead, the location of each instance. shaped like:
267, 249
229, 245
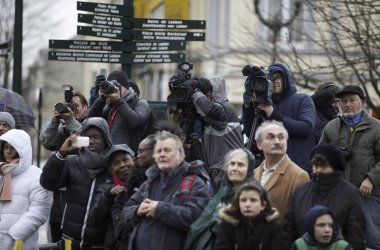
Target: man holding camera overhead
124, 111
295, 110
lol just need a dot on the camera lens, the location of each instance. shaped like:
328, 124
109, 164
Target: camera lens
60, 107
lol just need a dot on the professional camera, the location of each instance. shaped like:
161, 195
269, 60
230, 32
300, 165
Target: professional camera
108, 87
179, 85
258, 85
68, 95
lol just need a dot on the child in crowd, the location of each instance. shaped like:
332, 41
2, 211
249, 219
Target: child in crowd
249, 222
321, 231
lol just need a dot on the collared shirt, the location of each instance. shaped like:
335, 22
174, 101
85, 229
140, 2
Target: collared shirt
269, 171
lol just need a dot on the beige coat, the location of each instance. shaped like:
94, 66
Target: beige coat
282, 182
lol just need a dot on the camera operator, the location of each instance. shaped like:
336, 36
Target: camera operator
295, 110
66, 120
220, 124
124, 111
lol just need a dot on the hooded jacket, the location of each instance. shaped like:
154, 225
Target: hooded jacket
332, 191
126, 125
239, 233
81, 174
222, 128
202, 233
308, 241
174, 213
30, 205
296, 111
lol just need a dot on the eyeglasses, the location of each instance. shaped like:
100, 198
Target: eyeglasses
140, 150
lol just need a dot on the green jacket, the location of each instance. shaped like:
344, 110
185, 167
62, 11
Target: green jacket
301, 244
363, 145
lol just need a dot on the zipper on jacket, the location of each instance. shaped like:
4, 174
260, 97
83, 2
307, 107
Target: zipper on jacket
87, 210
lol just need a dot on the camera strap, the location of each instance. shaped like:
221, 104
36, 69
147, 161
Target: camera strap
112, 116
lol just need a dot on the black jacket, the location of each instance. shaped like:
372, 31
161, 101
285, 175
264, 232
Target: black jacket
262, 232
74, 174
341, 197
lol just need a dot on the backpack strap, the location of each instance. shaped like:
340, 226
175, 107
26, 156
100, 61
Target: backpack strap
186, 186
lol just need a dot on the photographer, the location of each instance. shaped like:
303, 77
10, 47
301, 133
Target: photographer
295, 110
66, 120
220, 124
124, 111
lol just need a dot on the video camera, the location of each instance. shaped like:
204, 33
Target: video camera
179, 85
258, 85
68, 95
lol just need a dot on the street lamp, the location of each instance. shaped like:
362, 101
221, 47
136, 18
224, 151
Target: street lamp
276, 24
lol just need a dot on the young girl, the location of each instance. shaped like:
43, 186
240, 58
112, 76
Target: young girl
249, 222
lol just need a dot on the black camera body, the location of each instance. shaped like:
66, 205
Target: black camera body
68, 96
258, 84
108, 87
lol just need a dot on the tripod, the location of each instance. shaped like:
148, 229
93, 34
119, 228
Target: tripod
259, 117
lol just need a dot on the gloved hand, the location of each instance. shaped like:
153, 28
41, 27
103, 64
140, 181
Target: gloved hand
98, 80
193, 82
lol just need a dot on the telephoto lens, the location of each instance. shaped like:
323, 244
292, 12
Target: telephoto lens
108, 87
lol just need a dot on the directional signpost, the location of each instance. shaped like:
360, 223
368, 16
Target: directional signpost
134, 40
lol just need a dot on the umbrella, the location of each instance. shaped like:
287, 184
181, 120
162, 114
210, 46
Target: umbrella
16, 105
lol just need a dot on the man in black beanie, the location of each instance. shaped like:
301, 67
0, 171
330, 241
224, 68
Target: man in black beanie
124, 111
328, 188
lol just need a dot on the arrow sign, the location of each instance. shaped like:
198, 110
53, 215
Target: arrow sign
104, 32
168, 24
115, 21
116, 46
110, 9
73, 56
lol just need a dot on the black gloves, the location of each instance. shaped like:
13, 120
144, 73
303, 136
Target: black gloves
98, 80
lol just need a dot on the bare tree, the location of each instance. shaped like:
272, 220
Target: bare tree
348, 33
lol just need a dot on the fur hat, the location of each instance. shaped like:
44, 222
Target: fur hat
8, 118
333, 155
120, 76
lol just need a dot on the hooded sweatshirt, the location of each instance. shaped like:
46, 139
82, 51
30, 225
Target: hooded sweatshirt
81, 174
296, 111
29, 208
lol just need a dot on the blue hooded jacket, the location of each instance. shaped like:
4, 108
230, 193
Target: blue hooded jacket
296, 111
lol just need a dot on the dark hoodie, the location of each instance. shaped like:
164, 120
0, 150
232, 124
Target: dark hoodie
308, 239
296, 111
203, 231
81, 175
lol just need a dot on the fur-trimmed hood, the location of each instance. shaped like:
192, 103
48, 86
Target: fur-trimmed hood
234, 220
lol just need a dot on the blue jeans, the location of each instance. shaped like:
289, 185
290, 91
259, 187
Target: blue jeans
371, 207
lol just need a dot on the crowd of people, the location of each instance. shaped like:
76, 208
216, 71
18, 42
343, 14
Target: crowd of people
316, 186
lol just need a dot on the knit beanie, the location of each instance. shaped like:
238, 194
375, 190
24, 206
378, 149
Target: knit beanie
334, 155
120, 76
7, 118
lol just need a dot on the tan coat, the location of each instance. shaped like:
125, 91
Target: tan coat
282, 182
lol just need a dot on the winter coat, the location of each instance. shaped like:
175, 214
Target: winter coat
221, 124
203, 231
126, 126
239, 233
55, 133
297, 112
364, 147
332, 191
30, 205
174, 213
76, 173
282, 182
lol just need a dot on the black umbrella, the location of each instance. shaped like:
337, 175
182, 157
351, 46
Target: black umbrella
16, 105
